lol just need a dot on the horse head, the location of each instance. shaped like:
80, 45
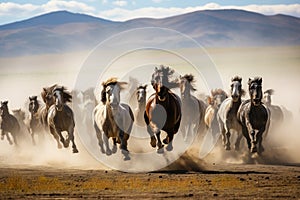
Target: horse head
267, 96
161, 83
255, 90
236, 88
110, 94
185, 85
33, 104
19, 114
47, 95
4, 107
141, 93
61, 96
218, 96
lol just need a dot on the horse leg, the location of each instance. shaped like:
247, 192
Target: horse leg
55, 135
8, 138
152, 137
124, 137
223, 132
114, 149
71, 137
246, 135
105, 139
259, 141
238, 141
99, 137
14, 138
253, 138
159, 143
32, 136
62, 139
228, 134
170, 144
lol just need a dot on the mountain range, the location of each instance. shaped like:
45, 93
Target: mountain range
63, 31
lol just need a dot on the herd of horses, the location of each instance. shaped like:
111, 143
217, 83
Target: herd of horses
163, 110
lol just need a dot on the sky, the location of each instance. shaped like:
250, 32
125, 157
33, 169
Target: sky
121, 10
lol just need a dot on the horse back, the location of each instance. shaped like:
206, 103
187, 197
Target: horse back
10, 123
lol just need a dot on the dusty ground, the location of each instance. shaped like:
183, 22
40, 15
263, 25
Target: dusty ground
216, 181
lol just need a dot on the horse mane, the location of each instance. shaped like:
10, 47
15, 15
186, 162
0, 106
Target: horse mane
236, 78
269, 92
167, 72
218, 91
257, 80
66, 94
110, 81
191, 79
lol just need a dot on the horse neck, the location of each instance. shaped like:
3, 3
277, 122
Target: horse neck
142, 105
236, 105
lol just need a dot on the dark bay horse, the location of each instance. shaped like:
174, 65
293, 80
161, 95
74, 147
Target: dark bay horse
141, 105
35, 126
227, 114
254, 116
9, 124
193, 109
112, 118
163, 108
61, 118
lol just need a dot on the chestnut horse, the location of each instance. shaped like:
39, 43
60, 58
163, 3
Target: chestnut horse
163, 108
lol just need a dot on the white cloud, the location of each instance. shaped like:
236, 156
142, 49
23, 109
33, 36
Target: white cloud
120, 3
157, 1
121, 14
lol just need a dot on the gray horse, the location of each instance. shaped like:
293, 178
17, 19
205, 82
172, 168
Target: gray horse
112, 118
227, 114
254, 116
141, 101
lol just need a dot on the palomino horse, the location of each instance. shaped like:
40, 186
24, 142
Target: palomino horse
9, 124
112, 118
193, 109
35, 126
227, 114
214, 101
141, 107
163, 108
60, 118
254, 116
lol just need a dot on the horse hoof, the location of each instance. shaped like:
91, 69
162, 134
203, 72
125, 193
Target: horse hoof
227, 148
108, 152
75, 151
166, 140
153, 142
114, 149
160, 150
253, 150
169, 147
59, 146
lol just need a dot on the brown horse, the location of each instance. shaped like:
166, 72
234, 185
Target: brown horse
163, 108
35, 126
9, 124
254, 116
112, 118
47, 96
61, 118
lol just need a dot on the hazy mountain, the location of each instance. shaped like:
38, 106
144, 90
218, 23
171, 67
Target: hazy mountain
63, 31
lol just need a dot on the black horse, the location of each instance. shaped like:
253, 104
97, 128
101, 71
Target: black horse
9, 124
254, 116
163, 108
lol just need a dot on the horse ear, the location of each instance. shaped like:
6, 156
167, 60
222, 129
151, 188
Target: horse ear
45, 90
145, 86
249, 81
30, 98
5, 102
260, 80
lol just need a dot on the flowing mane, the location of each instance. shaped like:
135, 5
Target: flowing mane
66, 94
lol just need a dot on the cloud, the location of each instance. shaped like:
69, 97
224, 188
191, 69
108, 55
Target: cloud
120, 3
157, 1
120, 14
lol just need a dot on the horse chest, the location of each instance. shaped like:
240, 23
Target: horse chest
258, 116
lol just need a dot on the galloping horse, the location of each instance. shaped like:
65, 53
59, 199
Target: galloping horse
141, 107
227, 114
163, 108
112, 118
276, 113
193, 109
214, 101
254, 116
9, 124
47, 96
34, 121
61, 118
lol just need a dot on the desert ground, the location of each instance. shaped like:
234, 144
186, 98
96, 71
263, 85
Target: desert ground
44, 172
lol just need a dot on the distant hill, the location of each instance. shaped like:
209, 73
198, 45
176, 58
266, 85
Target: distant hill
62, 31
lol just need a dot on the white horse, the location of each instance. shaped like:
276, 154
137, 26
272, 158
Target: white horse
112, 118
